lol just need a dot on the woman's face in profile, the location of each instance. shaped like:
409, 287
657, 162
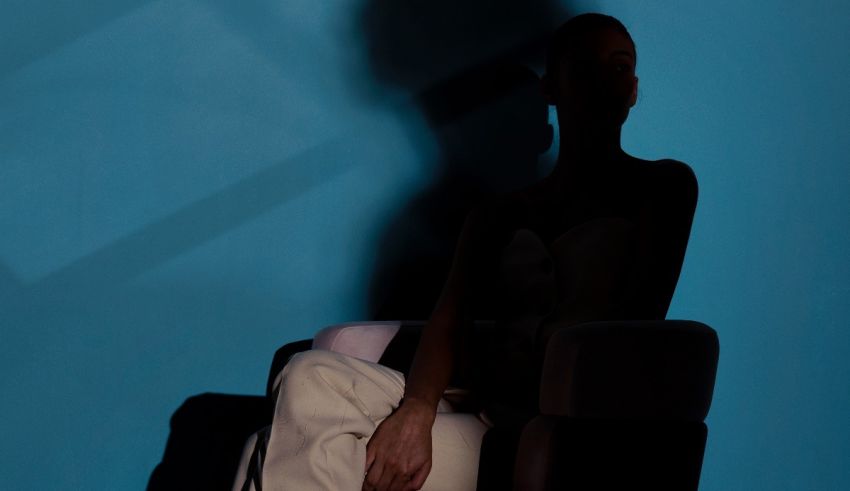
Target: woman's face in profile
596, 84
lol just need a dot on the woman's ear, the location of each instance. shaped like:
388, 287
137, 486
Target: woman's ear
633, 96
548, 89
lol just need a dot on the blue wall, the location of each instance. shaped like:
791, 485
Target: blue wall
187, 185
755, 99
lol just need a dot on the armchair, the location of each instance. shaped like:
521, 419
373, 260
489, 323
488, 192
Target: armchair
622, 404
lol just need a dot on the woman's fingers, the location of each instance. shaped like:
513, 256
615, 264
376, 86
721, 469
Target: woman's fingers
387, 479
370, 456
398, 455
395, 479
401, 482
418, 479
373, 476
389, 475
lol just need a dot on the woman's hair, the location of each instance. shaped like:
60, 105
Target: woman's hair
572, 31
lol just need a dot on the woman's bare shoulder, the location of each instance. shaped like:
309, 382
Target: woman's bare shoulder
666, 175
675, 171
673, 184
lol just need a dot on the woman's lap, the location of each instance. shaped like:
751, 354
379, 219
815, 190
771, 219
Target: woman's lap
350, 397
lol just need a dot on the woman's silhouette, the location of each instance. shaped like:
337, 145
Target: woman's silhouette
601, 238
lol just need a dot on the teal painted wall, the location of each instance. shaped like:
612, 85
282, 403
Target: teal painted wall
187, 185
753, 96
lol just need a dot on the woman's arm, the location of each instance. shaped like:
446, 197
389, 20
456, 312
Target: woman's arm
441, 342
664, 230
398, 455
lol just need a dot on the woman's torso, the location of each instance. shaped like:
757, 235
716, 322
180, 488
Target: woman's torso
560, 255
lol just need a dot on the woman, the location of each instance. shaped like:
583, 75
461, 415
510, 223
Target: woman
616, 227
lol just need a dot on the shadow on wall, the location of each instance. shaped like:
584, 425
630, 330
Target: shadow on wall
467, 64
464, 61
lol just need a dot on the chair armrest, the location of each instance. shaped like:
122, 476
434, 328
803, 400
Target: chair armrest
630, 370
560, 452
364, 340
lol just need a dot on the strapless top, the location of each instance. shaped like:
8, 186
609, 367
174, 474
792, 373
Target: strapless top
578, 277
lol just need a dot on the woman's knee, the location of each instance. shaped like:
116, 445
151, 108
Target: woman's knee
305, 362
309, 378
302, 369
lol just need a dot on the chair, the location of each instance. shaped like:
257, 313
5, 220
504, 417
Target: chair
622, 404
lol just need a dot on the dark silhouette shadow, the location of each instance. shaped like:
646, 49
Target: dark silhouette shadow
491, 124
415, 45
207, 435
468, 64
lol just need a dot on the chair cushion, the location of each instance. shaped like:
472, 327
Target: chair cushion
364, 340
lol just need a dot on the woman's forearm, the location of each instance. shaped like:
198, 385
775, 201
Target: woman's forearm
434, 361
441, 340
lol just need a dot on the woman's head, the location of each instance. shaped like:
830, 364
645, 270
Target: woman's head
590, 68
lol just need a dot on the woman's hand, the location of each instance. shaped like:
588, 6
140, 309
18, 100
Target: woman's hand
398, 455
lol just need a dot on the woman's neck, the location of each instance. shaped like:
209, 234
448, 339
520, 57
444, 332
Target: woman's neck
587, 154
